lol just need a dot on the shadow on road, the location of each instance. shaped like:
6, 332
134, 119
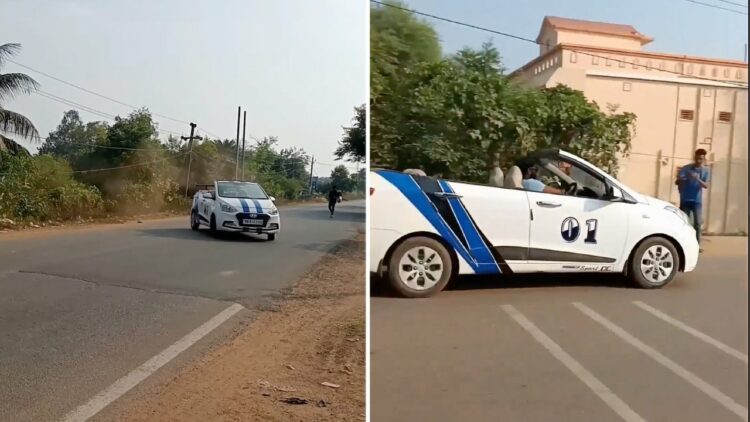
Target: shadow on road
201, 235
380, 288
340, 215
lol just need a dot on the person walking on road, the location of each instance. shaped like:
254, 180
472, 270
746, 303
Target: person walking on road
691, 180
334, 196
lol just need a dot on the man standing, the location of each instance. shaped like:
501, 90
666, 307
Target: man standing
334, 196
692, 179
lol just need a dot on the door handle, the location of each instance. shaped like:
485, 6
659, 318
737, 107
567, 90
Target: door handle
446, 195
548, 204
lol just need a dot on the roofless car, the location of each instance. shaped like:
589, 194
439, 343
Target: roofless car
234, 206
425, 230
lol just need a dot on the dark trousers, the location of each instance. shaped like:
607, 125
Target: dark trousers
331, 206
694, 210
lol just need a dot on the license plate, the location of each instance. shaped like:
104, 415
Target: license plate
252, 222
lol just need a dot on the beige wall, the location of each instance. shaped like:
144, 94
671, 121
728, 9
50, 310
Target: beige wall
663, 141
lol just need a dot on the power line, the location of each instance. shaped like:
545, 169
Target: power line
163, 116
731, 2
720, 7
529, 40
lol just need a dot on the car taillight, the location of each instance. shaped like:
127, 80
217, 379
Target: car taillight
372, 190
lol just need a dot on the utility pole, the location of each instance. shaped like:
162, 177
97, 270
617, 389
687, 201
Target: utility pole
190, 154
312, 163
242, 161
237, 156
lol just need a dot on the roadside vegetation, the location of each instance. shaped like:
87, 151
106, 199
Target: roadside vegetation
100, 169
461, 115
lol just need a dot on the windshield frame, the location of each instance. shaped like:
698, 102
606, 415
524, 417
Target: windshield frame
220, 195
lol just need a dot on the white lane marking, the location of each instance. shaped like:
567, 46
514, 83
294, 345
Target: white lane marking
124, 384
688, 376
692, 331
601, 390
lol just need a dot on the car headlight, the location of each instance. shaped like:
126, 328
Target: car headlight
678, 212
227, 208
274, 211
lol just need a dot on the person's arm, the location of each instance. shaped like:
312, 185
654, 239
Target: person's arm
704, 180
555, 191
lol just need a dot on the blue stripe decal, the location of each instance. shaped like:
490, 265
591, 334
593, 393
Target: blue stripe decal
478, 249
411, 190
258, 208
245, 207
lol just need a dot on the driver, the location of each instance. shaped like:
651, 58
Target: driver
531, 183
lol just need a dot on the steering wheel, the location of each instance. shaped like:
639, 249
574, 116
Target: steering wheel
571, 189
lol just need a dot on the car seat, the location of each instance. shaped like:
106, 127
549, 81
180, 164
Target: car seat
514, 178
496, 177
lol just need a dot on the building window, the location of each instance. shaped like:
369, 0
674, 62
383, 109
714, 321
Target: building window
707, 141
725, 117
686, 114
679, 68
648, 64
635, 64
609, 62
627, 86
739, 74
726, 73
702, 71
690, 69
573, 57
662, 65
714, 72
594, 59
622, 62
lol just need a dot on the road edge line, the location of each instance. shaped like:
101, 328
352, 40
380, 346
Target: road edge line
123, 385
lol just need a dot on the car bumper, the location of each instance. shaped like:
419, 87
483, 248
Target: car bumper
690, 248
232, 223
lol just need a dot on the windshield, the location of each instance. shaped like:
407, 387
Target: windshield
556, 172
241, 190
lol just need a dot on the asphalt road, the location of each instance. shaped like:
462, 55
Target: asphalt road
466, 355
81, 308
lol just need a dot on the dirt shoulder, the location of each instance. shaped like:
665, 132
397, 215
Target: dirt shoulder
316, 335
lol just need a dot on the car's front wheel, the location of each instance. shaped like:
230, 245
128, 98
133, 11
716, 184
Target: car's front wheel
654, 264
419, 267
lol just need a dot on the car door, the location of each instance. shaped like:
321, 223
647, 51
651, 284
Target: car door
499, 216
588, 231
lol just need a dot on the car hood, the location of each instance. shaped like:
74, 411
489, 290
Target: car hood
250, 205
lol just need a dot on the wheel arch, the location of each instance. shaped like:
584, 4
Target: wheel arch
666, 237
400, 240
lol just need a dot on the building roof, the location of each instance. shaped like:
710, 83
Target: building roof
604, 28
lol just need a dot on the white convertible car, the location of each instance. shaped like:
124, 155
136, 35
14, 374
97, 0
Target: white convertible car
236, 207
424, 230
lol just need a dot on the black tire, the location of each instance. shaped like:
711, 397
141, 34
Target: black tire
271, 236
195, 223
641, 256
212, 226
414, 243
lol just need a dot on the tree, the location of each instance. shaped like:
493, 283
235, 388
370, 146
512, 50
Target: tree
73, 139
340, 179
463, 116
12, 84
353, 145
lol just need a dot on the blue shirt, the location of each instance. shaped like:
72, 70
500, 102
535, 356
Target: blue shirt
533, 185
691, 189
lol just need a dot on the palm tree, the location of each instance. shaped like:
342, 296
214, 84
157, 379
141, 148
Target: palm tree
12, 84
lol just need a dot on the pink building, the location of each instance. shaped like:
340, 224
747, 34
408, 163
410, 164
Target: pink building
683, 103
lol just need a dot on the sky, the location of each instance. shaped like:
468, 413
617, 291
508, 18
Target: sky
677, 26
298, 67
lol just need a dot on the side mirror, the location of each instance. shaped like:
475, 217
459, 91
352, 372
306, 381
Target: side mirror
272, 198
614, 194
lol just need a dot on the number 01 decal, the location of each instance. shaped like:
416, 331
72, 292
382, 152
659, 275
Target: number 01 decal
569, 230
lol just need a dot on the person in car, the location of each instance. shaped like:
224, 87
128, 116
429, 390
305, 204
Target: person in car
530, 180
